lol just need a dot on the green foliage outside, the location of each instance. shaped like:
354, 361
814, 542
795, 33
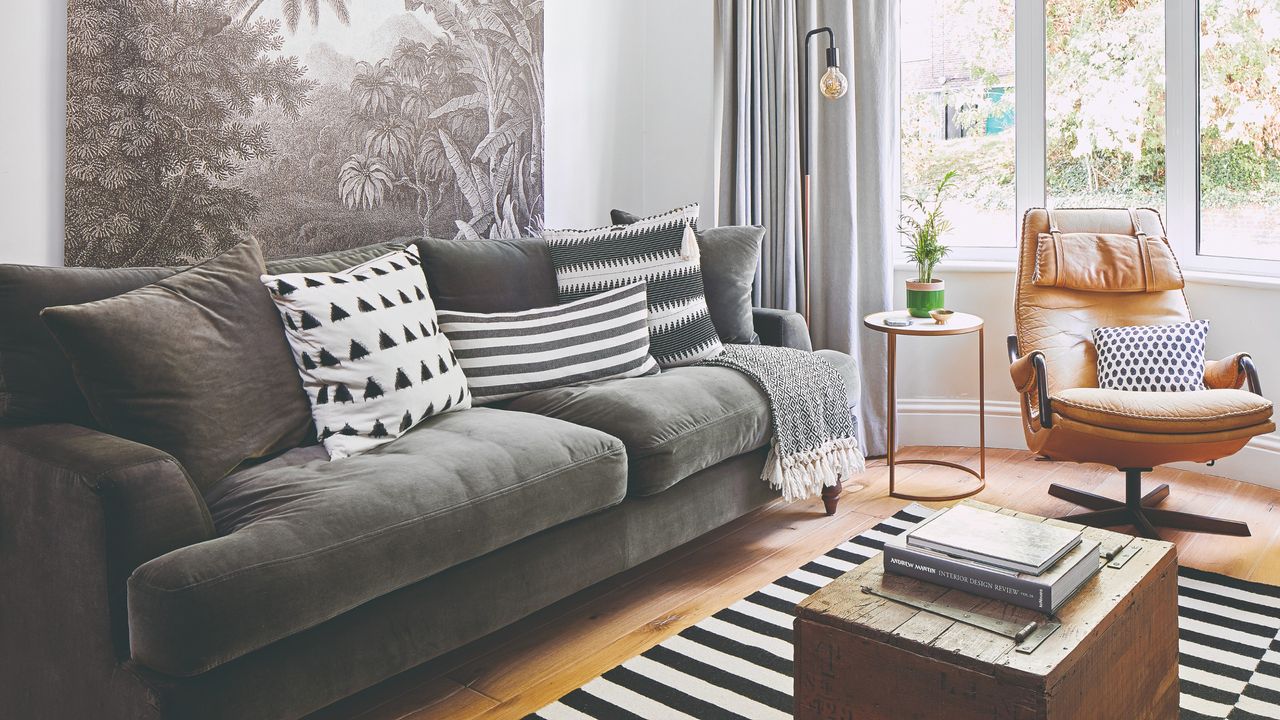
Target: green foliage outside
1105, 105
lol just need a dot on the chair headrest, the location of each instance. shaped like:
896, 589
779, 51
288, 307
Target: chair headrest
1105, 261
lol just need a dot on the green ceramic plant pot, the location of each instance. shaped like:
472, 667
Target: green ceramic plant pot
923, 297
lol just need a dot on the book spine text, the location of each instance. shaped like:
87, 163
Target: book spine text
970, 578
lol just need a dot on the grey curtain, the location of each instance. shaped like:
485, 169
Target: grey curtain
854, 167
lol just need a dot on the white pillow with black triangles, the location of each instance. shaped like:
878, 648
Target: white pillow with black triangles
372, 358
1151, 358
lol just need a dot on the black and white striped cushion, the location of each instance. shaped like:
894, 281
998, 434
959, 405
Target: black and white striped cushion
508, 354
1152, 358
660, 250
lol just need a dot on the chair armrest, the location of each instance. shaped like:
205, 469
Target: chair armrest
781, 328
1023, 372
1029, 372
1232, 372
79, 511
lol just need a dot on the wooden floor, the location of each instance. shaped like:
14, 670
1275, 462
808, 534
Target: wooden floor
535, 661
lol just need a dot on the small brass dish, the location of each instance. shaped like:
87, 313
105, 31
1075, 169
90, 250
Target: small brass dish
941, 316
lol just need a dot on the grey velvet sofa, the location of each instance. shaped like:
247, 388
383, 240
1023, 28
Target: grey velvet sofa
290, 584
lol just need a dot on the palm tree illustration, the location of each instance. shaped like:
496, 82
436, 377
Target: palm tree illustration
292, 11
459, 119
364, 181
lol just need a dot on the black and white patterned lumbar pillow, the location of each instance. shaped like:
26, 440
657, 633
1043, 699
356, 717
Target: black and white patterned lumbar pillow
661, 251
1152, 358
505, 355
369, 348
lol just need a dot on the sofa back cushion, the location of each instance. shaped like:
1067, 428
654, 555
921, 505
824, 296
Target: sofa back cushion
36, 383
334, 261
489, 276
195, 365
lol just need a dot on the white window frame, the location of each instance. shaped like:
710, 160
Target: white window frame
1182, 146
1028, 102
1182, 138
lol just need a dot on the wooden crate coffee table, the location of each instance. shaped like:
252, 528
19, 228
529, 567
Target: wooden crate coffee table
861, 657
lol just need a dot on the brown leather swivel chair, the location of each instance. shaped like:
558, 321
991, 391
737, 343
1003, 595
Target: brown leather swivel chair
1067, 288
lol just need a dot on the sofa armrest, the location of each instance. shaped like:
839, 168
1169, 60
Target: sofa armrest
781, 328
79, 510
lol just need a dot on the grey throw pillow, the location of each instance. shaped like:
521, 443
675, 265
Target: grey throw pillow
335, 261
195, 365
730, 256
36, 382
489, 276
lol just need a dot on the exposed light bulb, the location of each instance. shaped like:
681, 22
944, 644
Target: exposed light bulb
833, 83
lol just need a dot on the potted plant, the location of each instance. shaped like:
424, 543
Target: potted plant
921, 230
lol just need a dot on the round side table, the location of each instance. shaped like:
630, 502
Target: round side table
960, 324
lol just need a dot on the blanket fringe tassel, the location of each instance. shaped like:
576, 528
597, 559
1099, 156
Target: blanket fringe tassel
804, 474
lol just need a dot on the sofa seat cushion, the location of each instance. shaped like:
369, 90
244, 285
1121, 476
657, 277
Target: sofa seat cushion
303, 539
1196, 411
673, 424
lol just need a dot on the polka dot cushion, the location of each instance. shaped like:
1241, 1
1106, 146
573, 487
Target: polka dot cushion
1152, 358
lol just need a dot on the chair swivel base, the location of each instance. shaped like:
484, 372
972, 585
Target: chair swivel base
1139, 510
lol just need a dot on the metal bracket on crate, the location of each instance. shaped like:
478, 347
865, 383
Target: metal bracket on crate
1125, 555
1028, 637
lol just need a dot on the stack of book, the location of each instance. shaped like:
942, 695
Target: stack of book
1026, 563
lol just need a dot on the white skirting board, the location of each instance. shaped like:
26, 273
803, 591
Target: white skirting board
949, 422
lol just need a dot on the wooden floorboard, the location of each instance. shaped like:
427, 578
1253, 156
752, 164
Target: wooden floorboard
536, 660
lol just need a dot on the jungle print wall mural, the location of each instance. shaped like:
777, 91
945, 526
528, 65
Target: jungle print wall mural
313, 125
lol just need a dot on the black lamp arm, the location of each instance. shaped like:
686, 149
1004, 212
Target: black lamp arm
1250, 374
833, 58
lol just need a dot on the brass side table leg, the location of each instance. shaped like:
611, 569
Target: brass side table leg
980, 474
892, 406
982, 406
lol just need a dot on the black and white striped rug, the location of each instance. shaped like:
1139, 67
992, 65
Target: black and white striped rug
737, 663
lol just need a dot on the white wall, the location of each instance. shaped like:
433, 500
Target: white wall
594, 69
33, 42
679, 123
628, 115
629, 112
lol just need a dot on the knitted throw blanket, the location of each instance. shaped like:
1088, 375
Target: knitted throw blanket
814, 444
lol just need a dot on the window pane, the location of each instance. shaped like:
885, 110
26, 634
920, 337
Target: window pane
957, 114
1104, 103
1240, 128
